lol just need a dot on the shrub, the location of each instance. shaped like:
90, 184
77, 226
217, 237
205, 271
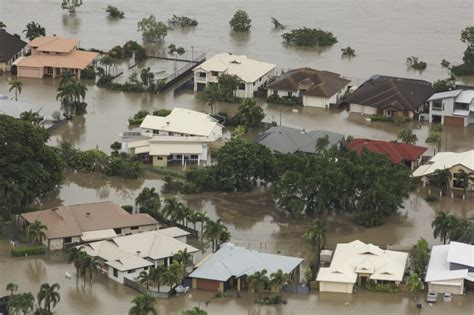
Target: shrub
309, 37
275, 299
172, 185
380, 118
240, 22
383, 287
116, 146
114, 12
88, 73
415, 63
284, 100
182, 21
123, 166
28, 250
432, 198
163, 112
138, 117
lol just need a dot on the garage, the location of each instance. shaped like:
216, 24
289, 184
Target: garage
30, 72
450, 286
205, 284
453, 121
339, 287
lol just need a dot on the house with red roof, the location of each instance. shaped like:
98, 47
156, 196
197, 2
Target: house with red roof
399, 153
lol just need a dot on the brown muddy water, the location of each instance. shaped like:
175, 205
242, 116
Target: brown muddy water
383, 33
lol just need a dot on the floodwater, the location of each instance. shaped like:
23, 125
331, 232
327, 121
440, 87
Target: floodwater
383, 33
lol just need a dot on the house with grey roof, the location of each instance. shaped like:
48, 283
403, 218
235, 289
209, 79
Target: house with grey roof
387, 96
11, 47
451, 268
290, 140
230, 266
316, 88
454, 108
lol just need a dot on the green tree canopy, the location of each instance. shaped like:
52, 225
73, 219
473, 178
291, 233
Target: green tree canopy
309, 37
249, 114
30, 168
240, 22
153, 31
34, 30
114, 12
419, 256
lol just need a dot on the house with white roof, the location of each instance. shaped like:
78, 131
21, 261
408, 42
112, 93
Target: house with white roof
454, 161
455, 108
253, 74
127, 256
357, 262
230, 266
183, 137
451, 268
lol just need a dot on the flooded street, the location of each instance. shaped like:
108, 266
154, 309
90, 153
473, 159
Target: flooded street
383, 33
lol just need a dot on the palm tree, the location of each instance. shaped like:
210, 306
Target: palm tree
250, 114
76, 255
465, 178
441, 178
322, 144
90, 265
66, 78
172, 209
407, 136
17, 86
278, 279
143, 304
176, 270
23, 302
156, 275
182, 257
12, 287
317, 234
202, 218
223, 237
440, 226
188, 215
49, 294
348, 52
144, 279
148, 199
210, 95
107, 62
70, 92
414, 284
212, 232
36, 232
31, 116
258, 282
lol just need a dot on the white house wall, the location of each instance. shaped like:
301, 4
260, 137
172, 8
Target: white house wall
122, 274
280, 93
441, 289
338, 287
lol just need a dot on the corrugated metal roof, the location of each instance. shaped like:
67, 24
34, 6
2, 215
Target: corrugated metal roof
443, 95
231, 260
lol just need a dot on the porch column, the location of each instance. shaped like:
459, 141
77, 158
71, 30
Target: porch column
238, 284
182, 159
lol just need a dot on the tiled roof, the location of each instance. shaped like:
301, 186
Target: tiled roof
396, 152
399, 94
321, 83
9, 45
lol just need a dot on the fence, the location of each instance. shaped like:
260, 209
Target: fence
138, 287
296, 289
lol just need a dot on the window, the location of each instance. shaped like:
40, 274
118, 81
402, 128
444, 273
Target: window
202, 74
437, 105
194, 156
134, 228
67, 240
118, 231
275, 92
179, 156
290, 94
131, 271
242, 86
115, 272
458, 181
461, 106
159, 158
214, 73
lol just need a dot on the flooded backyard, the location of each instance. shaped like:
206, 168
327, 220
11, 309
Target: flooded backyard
383, 33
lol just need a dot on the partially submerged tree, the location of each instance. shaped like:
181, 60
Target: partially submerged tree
258, 281
71, 5
277, 25
34, 30
249, 114
240, 22
114, 12
17, 86
414, 63
348, 52
407, 136
466, 68
309, 37
182, 21
143, 304
419, 256
153, 31
445, 63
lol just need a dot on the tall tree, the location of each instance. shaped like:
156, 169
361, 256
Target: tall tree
17, 86
258, 281
36, 232
144, 279
34, 30
143, 304
30, 168
414, 284
173, 209
249, 114
50, 295
419, 256
156, 275
210, 95
214, 232
465, 178
441, 225
76, 256
227, 84
148, 199
442, 179
71, 93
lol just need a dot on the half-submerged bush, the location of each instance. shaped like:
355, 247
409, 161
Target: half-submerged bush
309, 37
182, 21
28, 250
415, 63
114, 12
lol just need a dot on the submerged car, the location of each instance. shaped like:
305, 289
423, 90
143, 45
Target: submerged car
432, 297
447, 297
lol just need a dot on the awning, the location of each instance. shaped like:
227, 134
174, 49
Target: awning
98, 235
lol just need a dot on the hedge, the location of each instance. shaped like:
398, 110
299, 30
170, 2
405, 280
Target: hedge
28, 250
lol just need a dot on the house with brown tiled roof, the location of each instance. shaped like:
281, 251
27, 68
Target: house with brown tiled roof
51, 56
11, 47
315, 88
87, 222
384, 95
